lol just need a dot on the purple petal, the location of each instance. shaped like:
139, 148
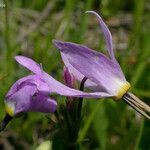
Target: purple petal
29, 64
29, 99
32, 79
77, 74
21, 99
54, 85
59, 88
40, 84
94, 65
16, 86
42, 103
107, 34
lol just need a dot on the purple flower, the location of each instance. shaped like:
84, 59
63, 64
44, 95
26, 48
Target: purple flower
31, 93
103, 73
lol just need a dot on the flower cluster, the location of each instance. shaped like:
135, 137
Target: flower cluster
103, 76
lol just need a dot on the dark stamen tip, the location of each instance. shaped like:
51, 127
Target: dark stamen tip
4, 123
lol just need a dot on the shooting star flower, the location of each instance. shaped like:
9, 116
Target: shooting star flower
103, 73
31, 93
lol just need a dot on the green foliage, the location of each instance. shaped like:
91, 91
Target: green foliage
28, 27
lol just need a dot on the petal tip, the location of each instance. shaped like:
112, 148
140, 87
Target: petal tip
21, 59
29, 64
18, 58
58, 44
89, 11
93, 12
54, 41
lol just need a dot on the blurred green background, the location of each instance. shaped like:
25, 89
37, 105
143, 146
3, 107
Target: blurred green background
28, 27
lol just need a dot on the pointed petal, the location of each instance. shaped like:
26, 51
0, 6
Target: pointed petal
29, 64
59, 88
54, 85
107, 34
94, 65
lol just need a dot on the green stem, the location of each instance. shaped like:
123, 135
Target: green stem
88, 123
139, 9
7, 38
142, 93
7, 35
139, 135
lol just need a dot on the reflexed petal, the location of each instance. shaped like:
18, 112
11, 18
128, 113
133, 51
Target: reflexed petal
94, 65
107, 34
54, 85
59, 88
29, 64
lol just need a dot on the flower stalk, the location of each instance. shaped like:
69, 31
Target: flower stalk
5, 121
70, 118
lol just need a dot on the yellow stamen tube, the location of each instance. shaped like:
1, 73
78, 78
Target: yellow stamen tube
122, 90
